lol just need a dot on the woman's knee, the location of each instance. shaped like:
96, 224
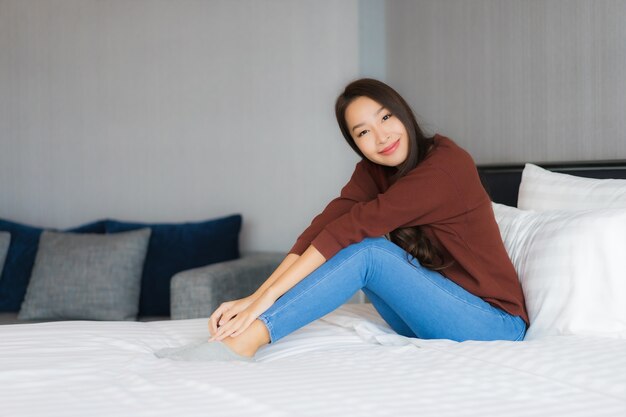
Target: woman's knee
381, 245
372, 241
380, 250
375, 251
364, 249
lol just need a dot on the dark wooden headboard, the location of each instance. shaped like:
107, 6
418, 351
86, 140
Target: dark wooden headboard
502, 180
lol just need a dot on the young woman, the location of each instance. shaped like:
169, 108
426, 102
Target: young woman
413, 228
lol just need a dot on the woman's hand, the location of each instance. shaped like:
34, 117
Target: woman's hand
228, 310
235, 326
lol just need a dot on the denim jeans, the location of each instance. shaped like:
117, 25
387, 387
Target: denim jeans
413, 300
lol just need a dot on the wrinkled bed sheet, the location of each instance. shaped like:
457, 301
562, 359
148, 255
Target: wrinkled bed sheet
349, 363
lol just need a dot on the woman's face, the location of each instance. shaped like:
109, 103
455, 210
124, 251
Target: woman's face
378, 133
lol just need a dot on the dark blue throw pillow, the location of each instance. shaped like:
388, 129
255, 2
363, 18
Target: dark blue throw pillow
20, 259
177, 247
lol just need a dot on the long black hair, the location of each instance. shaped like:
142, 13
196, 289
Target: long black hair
411, 239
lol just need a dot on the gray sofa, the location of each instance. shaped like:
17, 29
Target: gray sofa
196, 293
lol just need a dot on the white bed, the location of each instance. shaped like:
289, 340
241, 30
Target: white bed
348, 363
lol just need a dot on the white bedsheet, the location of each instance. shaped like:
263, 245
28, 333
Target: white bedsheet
349, 363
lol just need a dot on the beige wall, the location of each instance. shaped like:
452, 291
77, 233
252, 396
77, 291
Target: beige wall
154, 110
515, 80
180, 110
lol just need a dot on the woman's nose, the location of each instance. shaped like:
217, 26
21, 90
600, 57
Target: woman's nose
383, 137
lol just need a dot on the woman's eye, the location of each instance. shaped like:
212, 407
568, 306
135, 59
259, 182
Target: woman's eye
362, 133
387, 116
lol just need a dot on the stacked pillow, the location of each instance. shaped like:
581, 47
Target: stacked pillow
86, 276
543, 190
176, 247
567, 242
101, 271
20, 258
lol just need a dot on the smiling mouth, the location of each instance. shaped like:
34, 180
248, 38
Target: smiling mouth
390, 147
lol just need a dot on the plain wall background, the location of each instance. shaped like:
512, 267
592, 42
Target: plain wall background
515, 80
154, 110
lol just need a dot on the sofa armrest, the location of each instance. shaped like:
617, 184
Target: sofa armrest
198, 292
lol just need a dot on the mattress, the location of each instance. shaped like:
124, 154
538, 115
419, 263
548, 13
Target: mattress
348, 363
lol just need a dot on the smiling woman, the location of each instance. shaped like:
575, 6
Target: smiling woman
380, 126
378, 134
370, 108
413, 228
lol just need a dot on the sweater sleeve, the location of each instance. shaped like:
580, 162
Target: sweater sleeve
425, 195
360, 188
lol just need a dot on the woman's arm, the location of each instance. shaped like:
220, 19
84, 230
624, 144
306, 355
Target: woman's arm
361, 187
284, 265
308, 262
229, 309
235, 320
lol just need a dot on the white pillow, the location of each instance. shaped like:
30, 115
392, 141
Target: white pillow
572, 267
542, 190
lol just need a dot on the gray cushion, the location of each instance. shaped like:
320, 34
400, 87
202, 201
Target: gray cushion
86, 276
5, 241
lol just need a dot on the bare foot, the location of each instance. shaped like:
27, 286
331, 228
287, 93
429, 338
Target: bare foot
248, 342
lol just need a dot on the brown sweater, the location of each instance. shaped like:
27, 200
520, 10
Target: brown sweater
444, 196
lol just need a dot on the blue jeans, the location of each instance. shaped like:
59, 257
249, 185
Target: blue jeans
413, 300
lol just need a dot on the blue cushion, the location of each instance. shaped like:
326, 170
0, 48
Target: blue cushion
178, 247
21, 256
98, 226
